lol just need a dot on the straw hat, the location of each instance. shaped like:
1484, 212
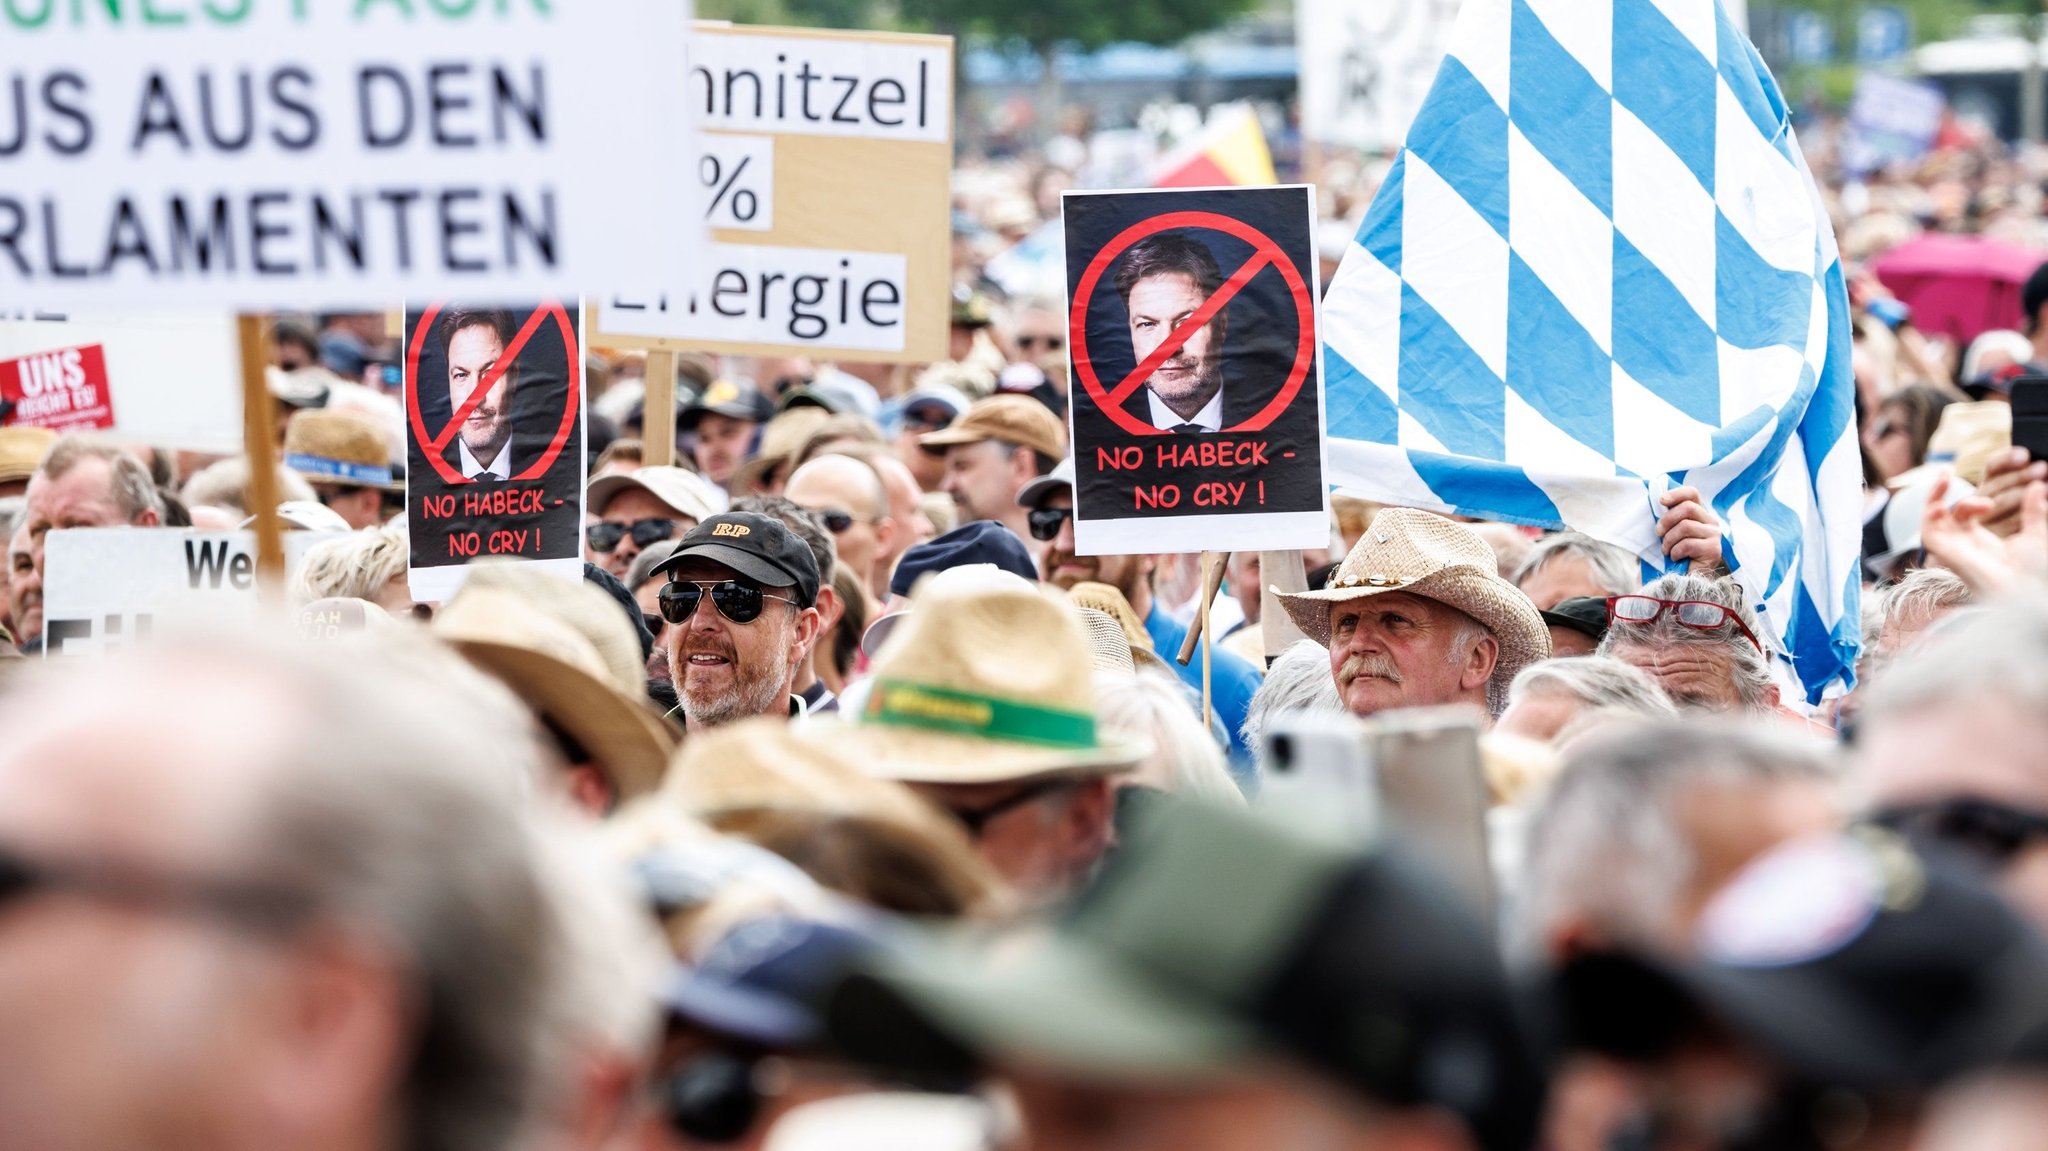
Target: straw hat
1108, 649
335, 447
1111, 602
1429, 556
761, 764
559, 674
597, 617
990, 685
1968, 436
781, 438
683, 491
21, 449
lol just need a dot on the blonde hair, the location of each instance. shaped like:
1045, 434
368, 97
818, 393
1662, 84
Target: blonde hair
357, 566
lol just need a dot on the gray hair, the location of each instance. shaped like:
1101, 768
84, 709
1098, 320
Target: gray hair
373, 758
1914, 602
1153, 706
1605, 841
11, 508
1298, 681
1749, 667
1613, 568
1998, 652
356, 566
1598, 682
128, 481
225, 484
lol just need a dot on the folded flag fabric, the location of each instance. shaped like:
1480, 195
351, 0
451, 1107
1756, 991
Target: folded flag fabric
1230, 151
1600, 269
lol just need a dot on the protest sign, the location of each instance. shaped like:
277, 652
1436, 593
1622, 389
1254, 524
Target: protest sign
494, 440
1366, 65
1891, 121
103, 587
161, 378
1197, 398
178, 153
825, 172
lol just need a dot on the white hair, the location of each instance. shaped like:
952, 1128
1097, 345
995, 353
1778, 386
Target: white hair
1990, 653
356, 566
1606, 843
1298, 681
1596, 681
1613, 568
1154, 707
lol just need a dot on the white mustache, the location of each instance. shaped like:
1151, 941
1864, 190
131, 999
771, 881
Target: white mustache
1377, 666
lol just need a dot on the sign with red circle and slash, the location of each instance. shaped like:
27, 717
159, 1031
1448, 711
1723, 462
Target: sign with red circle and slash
494, 454
1197, 416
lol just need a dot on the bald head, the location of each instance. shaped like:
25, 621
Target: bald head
850, 495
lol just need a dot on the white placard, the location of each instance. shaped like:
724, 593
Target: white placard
246, 154
1366, 65
790, 296
175, 376
738, 178
103, 587
823, 87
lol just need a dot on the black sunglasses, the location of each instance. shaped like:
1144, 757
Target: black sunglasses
1045, 522
837, 520
977, 819
256, 907
604, 538
1987, 831
736, 601
1050, 343
932, 418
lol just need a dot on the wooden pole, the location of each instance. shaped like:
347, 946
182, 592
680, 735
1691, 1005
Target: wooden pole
1212, 579
259, 444
658, 412
1283, 571
1209, 584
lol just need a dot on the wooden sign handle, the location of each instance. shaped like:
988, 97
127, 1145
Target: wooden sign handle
658, 410
259, 444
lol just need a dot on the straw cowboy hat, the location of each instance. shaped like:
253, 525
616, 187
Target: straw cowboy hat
990, 685
335, 447
1109, 601
21, 450
560, 674
1429, 556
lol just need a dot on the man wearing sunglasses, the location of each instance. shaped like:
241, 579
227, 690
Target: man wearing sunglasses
743, 595
1698, 639
1953, 747
639, 509
847, 496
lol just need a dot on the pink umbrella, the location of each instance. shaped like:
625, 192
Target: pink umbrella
1959, 286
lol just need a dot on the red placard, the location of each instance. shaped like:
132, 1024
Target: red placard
64, 388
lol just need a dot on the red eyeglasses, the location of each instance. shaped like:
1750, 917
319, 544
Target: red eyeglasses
1697, 614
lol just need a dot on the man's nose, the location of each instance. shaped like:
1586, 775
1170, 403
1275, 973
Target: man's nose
1065, 540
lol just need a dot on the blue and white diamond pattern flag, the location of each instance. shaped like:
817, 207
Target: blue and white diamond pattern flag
1598, 270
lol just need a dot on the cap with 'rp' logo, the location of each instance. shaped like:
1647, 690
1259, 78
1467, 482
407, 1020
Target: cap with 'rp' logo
759, 548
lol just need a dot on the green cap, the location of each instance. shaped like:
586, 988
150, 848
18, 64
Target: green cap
1214, 935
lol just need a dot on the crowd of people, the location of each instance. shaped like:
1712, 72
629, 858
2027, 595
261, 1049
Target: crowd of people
843, 804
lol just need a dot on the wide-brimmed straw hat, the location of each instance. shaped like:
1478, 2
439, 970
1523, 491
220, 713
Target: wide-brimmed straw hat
561, 675
21, 451
985, 685
1429, 556
1111, 602
335, 447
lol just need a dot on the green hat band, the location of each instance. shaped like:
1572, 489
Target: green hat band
899, 703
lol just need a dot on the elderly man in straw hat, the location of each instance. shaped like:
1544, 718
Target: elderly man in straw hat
983, 701
346, 460
1418, 616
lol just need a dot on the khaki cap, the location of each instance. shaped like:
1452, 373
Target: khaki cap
1018, 420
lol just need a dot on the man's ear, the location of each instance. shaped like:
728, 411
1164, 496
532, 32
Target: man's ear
808, 624
1479, 665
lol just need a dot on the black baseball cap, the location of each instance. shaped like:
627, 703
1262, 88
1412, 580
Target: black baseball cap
1849, 961
1584, 614
756, 546
980, 542
739, 400
1215, 937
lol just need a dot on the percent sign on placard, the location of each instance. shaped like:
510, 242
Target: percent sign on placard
738, 174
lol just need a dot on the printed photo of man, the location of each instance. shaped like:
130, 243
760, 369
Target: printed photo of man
473, 341
1164, 280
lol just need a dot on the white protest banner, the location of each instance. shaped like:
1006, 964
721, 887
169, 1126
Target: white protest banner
824, 169
1366, 65
162, 378
103, 587
1891, 121
245, 154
